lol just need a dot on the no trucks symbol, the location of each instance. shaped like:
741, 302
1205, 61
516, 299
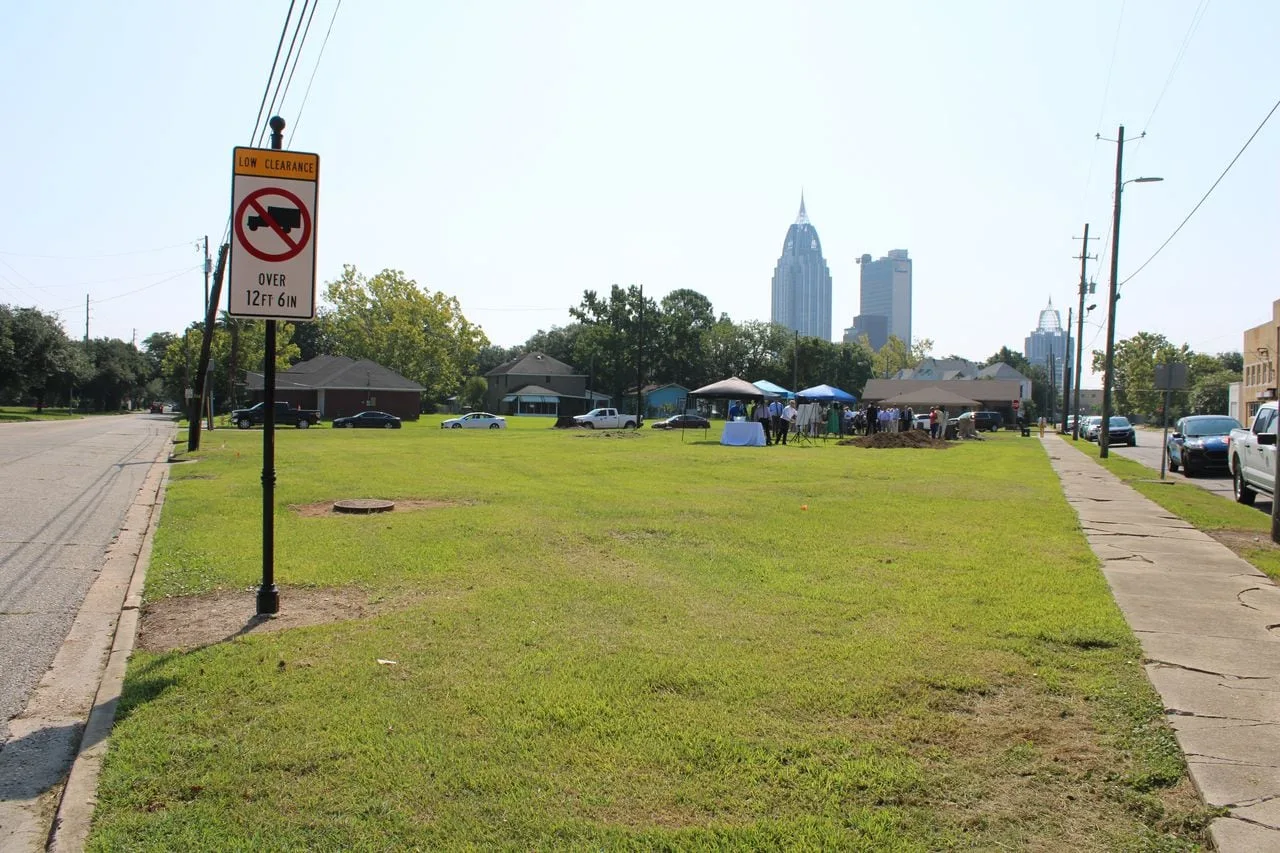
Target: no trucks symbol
264, 215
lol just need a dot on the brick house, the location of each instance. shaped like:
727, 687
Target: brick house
338, 386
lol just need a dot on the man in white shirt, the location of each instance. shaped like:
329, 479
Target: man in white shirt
787, 420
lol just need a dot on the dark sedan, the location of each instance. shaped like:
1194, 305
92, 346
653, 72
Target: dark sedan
368, 420
1119, 431
683, 422
1200, 443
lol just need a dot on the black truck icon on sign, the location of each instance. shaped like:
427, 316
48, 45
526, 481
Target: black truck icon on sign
288, 218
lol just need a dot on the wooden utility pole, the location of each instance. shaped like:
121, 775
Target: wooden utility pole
1084, 259
1066, 376
198, 381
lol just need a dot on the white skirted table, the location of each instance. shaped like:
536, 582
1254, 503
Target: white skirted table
743, 434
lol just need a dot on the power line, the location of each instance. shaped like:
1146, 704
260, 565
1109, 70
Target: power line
280, 81
305, 32
95, 257
297, 118
1205, 197
178, 274
272, 74
1196, 19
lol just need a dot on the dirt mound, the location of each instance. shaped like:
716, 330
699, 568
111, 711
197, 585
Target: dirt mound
910, 438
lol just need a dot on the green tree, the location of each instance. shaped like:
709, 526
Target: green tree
1014, 359
37, 358
314, 338
120, 373
1133, 382
894, 356
472, 394
619, 338
391, 320
684, 324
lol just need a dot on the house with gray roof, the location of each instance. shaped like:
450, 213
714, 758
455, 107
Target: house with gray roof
339, 386
537, 384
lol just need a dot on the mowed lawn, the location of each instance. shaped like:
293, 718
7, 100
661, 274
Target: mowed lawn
630, 641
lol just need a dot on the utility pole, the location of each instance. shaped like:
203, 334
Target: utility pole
1066, 376
640, 364
206, 274
86, 324
198, 380
1104, 431
1084, 259
1051, 389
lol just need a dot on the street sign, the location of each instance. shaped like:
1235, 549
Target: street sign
273, 234
1171, 377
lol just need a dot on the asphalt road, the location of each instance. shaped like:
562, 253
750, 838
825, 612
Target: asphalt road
64, 490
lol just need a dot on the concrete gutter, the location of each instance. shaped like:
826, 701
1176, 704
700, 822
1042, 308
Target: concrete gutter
70, 713
1207, 621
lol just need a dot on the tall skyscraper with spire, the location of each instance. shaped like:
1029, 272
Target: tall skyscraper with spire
1049, 345
802, 282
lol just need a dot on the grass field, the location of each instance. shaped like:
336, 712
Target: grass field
29, 413
626, 641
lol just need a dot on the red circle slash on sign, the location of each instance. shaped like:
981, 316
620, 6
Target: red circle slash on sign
267, 217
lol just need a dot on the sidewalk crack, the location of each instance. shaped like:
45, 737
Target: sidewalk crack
1133, 557
1207, 671
1244, 804
1240, 599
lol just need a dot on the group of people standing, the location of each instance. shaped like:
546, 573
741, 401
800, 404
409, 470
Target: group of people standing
777, 418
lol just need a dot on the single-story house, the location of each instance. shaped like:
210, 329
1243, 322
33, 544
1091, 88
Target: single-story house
338, 386
662, 400
537, 384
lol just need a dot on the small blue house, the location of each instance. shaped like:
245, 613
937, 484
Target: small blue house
663, 400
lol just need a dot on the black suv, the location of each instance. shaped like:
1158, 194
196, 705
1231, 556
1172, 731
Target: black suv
988, 421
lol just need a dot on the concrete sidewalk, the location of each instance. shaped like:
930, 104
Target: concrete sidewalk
1208, 622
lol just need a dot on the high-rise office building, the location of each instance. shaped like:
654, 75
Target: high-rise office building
802, 282
875, 327
1049, 345
885, 291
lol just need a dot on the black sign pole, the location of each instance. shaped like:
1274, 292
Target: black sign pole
268, 595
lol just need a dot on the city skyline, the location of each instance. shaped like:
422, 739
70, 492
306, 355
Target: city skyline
1050, 344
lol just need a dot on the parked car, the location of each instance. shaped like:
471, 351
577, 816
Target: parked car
986, 421
157, 408
683, 422
284, 414
1253, 456
1090, 426
1120, 431
1200, 442
921, 422
368, 420
606, 419
475, 420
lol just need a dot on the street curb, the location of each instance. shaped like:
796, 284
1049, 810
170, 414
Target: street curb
74, 815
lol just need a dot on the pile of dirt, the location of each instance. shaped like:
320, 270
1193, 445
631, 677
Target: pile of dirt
910, 438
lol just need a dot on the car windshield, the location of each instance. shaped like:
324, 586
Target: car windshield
1119, 422
1210, 426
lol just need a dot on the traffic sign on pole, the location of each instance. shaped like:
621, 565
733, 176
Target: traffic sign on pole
273, 234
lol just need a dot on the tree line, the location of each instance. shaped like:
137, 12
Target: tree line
620, 339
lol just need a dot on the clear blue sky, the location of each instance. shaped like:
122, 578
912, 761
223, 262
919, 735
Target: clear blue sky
515, 154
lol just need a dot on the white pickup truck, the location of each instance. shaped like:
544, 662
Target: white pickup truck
1253, 456
606, 419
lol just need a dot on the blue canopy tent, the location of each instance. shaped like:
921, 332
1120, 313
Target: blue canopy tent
771, 390
826, 394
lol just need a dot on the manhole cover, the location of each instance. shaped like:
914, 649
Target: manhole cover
363, 506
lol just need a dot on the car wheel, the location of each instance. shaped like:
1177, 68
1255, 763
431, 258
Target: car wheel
303, 423
457, 426
1187, 472
243, 423
589, 425
494, 426
1242, 493
1133, 442
1173, 466
389, 425
349, 425
629, 425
